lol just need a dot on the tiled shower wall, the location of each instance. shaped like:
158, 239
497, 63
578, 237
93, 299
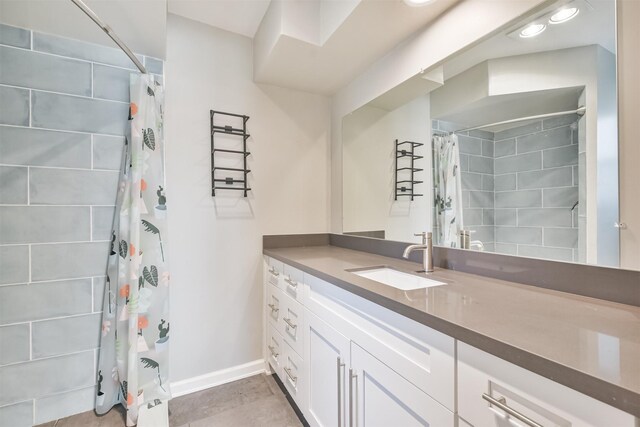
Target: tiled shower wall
536, 189
476, 163
520, 187
63, 113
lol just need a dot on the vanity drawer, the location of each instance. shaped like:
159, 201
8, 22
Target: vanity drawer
274, 272
293, 283
484, 378
293, 375
274, 306
275, 349
291, 325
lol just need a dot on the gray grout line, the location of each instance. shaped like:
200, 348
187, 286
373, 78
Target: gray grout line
62, 93
67, 279
59, 167
48, 319
64, 131
105, 64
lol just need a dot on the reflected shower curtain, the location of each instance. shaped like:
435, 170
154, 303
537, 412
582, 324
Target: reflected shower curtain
447, 190
133, 363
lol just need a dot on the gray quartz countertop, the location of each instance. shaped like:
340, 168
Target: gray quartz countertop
589, 345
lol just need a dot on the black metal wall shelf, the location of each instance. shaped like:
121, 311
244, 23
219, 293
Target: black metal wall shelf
406, 149
228, 181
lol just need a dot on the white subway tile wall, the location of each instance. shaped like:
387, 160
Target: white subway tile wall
63, 115
520, 187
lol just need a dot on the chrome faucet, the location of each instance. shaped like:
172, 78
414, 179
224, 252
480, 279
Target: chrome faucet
426, 247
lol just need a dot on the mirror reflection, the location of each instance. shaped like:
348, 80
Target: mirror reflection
510, 147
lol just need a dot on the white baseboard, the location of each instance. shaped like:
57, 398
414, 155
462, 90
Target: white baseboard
212, 379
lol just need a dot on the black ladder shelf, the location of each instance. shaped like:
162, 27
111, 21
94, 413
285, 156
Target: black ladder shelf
227, 182
405, 187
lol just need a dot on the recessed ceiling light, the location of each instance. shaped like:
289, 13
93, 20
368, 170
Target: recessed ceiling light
564, 15
532, 30
416, 3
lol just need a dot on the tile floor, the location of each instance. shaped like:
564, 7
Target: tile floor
252, 402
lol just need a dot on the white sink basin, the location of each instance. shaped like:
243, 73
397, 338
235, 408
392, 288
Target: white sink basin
397, 279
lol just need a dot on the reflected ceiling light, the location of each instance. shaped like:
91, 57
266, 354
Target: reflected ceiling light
415, 3
564, 15
532, 30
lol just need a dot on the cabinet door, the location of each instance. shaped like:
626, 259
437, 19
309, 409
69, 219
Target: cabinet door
381, 397
327, 356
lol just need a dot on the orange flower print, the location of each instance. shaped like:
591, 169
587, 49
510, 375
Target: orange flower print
129, 399
132, 250
143, 184
134, 109
124, 291
143, 322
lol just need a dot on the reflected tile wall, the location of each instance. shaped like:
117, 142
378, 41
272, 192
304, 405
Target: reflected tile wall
519, 186
63, 113
536, 189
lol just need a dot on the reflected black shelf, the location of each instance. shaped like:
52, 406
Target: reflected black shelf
409, 154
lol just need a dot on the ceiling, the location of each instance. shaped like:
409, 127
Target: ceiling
595, 24
238, 16
492, 109
326, 64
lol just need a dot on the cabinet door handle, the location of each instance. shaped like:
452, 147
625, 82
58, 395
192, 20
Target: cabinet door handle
273, 352
502, 404
291, 283
293, 378
352, 400
273, 307
289, 323
339, 366
274, 271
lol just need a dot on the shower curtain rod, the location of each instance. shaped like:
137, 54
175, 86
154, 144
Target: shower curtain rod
580, 111
91, 14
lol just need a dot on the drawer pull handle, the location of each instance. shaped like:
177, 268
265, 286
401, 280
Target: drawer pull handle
291, 283
352, 399
274, 271
289, 323
339, 366
273, 352
273, 308
501, 403
293, 378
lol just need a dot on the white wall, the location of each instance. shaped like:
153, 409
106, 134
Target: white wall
216, 261
369, 176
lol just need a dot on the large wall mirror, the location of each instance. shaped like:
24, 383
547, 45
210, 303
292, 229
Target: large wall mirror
509, 147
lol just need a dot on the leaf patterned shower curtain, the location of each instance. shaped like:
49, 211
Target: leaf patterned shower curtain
133, 363
447, 190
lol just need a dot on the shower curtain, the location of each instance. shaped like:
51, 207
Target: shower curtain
133, 362
447, 190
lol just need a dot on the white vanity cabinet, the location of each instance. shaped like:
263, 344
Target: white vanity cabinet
494, 392
347, 361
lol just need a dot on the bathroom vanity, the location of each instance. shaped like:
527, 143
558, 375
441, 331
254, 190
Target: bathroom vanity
461, 349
